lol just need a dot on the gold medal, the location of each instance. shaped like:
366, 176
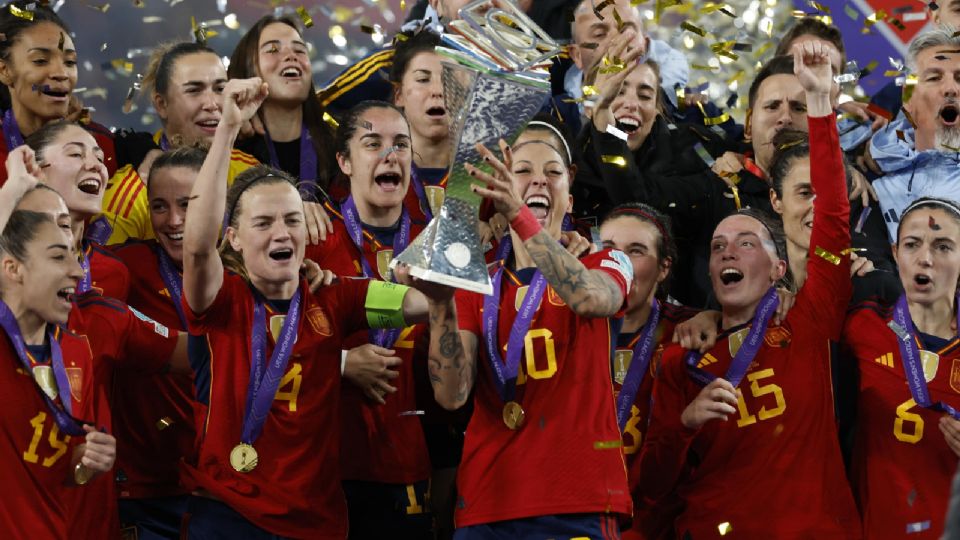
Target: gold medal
243, 458
513, 415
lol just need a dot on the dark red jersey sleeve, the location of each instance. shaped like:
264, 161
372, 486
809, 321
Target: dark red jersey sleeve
348, 298
127, 338
615, 264
219, 314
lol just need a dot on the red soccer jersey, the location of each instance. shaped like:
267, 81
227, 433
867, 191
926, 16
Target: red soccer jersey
119, 341
295, 489
109, 276
902, 463
157, 426
37, 454
650, 521
774, 470
379, 443
566, 459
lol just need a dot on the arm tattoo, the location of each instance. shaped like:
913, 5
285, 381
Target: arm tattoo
452, 368
588, 292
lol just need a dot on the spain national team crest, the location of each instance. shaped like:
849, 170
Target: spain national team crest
384, 256
75, 380
621, 363
955, 375
930, 362
554, 298
777, 337
435, 197
44, 377
319, 322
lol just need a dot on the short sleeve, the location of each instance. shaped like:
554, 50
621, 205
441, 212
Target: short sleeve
147, 344
348, 297
615, 264
224, 310
469, 306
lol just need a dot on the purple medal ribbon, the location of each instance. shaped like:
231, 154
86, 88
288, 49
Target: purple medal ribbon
387, 336
62, 415
902, 326
748, 350
264, 380
421, 194
308, 157
86, 282
642, 353
173, 281
164, 142
11, 131
506, 373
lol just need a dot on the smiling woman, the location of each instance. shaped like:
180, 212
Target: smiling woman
38, 72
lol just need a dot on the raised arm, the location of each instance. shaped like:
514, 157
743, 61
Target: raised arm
22, 171
827, 289
202, 267
589, 293
452, 360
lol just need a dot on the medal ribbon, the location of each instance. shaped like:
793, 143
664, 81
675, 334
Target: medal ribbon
11, 131
264, 380
421, 194
308, 157
384, 337
506, 374
86, 282
902, 326
748, 350
62, 415
164, 142
639, 361
173, 281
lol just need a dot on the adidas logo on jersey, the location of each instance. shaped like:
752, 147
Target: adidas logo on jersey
885, 360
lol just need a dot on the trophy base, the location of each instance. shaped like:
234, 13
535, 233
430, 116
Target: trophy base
451, 281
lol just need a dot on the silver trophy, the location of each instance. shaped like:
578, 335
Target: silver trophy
494, 81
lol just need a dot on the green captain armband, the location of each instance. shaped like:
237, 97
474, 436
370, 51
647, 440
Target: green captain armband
384, 304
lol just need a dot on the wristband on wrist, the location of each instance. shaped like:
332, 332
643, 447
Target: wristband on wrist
525, 224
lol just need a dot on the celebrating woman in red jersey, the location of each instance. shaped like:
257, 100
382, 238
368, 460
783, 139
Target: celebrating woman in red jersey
268, 462
38, 72
72, 164
644, 235
909, 359
542, 455
780, 423
384, 460
39, 273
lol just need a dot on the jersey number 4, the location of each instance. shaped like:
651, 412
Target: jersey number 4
759, 391
58, 446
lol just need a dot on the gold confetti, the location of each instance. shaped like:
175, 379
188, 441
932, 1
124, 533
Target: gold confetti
101, 9
819, 7
693, 28
589, 91
304, 16
827, 256
615, 65
736, 196
164, 423
891, 73
151, 19
872, 20
724, 528
619, 161
600, 7
331, 121
618, 19
121, 64
851, 12
606, 445
22, 13
704, 68
850, 250
403, 5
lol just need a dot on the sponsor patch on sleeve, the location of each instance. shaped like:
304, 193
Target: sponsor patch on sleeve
621, 263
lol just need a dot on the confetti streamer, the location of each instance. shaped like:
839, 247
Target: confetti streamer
22, 13
693, 28
724, 528
305, 17
606, 445
827, 256
164, 423
600, 7
331, 121
619, 161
